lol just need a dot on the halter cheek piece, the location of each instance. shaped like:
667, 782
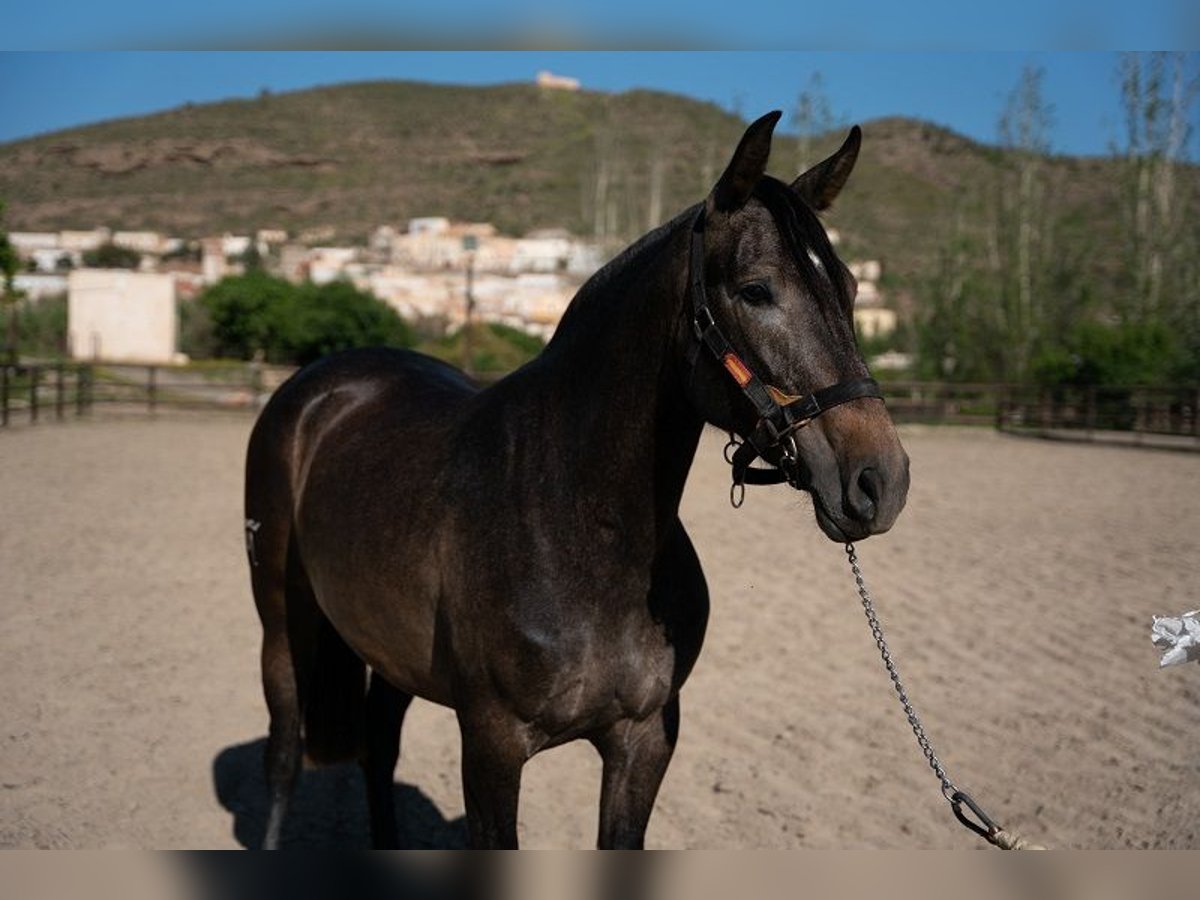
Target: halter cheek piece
780, 415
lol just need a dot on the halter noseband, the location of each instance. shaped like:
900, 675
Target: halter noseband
780, 415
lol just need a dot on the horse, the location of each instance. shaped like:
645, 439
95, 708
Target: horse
515, 552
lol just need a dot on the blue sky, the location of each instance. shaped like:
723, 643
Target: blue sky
833, 24
42, 92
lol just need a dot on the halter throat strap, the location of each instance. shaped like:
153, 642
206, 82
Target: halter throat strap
780, 414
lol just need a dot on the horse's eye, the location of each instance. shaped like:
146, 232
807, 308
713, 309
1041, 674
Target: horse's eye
755, 293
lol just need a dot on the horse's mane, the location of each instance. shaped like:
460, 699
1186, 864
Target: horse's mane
613, 281
798, 225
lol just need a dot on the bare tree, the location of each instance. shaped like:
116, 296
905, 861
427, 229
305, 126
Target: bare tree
1157, 98
1022, 223
811, 118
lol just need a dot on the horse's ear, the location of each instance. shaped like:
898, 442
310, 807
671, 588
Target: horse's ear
824, 181
746, 168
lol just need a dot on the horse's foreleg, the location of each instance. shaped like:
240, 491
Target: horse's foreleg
494, 751
385, 711
636, 754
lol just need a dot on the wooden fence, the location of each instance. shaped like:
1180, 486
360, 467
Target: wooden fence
31, 393
1164, 417
1140, 415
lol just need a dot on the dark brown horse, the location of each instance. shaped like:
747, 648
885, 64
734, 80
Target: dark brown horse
515, 553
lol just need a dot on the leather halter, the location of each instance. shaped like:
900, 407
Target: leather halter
780, 415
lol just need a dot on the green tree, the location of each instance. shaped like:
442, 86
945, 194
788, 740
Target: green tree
1158, 199
251, 259
959, 327
10, 265
323, 319
42, 325
110, 256
245, 314
1112, 355
495, 348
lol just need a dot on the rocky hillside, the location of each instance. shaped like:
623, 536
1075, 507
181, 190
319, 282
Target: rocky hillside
359, 155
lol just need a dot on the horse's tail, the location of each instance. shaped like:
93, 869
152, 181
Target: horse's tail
335, 701
314, 684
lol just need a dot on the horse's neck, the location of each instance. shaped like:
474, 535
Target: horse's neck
614, 364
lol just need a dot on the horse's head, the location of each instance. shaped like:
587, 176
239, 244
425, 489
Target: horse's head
784, 301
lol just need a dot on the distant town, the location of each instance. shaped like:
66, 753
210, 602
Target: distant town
432, 269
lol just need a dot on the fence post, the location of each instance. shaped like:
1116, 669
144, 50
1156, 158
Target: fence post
256, 386
1091, 412
1138, 416
59, 397
33, 393
79, 385
4, 396
1196, 415
152, 388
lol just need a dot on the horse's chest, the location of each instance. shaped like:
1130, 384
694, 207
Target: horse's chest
589, 670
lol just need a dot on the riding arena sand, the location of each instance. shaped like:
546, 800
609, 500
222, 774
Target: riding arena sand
1016, 591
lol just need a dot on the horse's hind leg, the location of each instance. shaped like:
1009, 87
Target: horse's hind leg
287, 612
385, 711
636, 754
282, 758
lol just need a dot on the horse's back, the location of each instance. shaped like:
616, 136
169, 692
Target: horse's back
395, 388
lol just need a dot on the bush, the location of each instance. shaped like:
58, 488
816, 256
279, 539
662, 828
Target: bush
288, 323
42, 326
1113, 355
495, 348
110, 256
322, 319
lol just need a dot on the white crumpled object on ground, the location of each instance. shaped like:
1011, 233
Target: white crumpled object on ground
1178, 637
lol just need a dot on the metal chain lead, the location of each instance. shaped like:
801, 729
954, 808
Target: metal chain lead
949, 791
981, 824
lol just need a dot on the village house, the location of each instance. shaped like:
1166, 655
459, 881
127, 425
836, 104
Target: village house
420, 270
546, 79
121, 316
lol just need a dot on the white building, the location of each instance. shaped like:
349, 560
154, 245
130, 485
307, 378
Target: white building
428, 225
214, 264
235, 244
542, 252
326, 264
121, 316
271, 236
546, 79
51, 260
83, 241
139, 241
874, 321
39, 285
26, 243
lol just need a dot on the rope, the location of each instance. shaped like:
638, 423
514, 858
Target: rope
1007, 840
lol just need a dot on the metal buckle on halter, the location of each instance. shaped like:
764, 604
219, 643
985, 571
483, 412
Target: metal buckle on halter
789, 461
791, 453
700, 328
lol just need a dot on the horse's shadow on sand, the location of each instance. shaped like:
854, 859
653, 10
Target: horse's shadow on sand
328, 809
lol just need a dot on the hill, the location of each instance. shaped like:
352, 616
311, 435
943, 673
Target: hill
360, 155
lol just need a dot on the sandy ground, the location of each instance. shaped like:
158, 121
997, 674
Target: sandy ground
1016, 590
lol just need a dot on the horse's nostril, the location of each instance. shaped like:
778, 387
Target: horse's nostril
871, 484
864, 494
